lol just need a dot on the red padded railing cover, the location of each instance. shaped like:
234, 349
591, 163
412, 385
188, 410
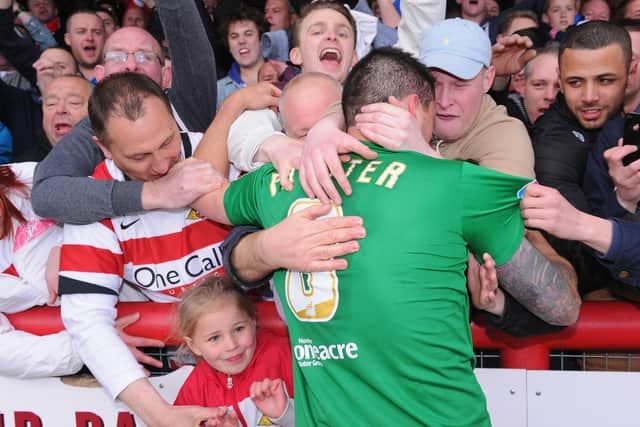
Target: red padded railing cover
601, 326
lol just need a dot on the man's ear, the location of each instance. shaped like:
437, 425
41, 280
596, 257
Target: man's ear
98, 72
167, 74
103, 148
489, 76
412, 103
354, 58
633, 72
545, 18
67, 39
560, 80
295, 56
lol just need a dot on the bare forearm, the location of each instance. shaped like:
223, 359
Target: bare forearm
545, 287
145, 401
594, 232
246, 258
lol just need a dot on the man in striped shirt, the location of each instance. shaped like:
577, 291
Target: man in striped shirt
161, 253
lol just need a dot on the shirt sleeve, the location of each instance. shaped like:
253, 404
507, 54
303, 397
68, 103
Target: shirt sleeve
623, 257
90, 319
242, 198
91, 260
17, 295
246, 135
34, 356
490, 212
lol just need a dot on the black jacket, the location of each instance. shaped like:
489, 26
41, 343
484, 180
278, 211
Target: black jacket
515, 108
561, 146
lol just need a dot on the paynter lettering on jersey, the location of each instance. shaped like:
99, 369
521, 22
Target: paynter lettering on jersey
312, 297
275, 180
174, 277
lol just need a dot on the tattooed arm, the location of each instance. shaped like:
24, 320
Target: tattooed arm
545, 285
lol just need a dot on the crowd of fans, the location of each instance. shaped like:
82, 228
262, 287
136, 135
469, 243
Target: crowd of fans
124, 126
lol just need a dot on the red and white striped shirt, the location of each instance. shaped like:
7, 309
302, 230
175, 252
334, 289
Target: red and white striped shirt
161, 252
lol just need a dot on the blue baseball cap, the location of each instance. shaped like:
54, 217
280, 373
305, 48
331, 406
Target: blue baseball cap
456, 46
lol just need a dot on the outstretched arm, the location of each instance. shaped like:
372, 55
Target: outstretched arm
213, 147
194, 82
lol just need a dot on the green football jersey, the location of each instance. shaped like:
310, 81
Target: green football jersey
387, 341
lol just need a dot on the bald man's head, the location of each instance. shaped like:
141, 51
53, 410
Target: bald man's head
133, 49
305, 100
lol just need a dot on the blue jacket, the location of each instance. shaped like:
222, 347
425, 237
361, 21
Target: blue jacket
623, 257
229, 84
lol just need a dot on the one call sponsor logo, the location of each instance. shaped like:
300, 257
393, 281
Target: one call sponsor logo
309, 354
178, 272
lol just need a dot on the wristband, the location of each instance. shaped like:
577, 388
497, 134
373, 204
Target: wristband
229, 244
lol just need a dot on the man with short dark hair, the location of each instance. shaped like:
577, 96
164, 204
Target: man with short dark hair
595, 66
85, 37
61, 188
594, 61
241, 32
160, 253
417, 289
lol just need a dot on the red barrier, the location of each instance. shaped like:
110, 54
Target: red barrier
601, 326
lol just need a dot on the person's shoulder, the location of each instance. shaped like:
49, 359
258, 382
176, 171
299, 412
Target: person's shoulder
493, 119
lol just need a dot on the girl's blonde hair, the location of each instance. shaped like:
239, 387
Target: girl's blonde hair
197, 301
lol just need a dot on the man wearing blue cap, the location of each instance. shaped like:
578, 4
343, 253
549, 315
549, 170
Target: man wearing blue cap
469, 125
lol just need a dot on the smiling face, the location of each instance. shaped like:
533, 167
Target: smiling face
225, 337
593, 82
63, 105
326, 44
85, 37
244, 43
